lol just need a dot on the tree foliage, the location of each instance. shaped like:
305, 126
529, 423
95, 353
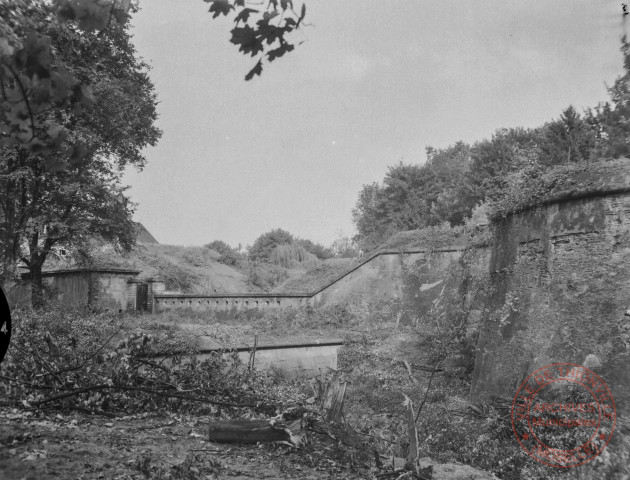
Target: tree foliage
416, 196
262, 29
610, 121
316, 249
291, 255
264, 245
33, 82
60, 194
569, 139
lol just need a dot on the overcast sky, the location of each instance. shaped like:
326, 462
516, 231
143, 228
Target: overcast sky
374, 83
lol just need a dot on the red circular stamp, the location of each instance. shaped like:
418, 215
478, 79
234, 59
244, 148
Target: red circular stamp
563, 415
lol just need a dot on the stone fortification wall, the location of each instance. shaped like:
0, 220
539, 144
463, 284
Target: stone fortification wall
446, 281
560, 275
382, 277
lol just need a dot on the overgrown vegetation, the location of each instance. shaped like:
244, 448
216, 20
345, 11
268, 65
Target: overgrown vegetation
265, 276
100, 363
79, 361
227, 254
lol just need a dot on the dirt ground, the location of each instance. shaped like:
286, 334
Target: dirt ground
139, 447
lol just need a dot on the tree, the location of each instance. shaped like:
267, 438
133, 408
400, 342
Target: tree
610, 121
416, 196
264, 245
46, 101
492, 160
368, 217
455, 199
32, 83
570, 139
60, 195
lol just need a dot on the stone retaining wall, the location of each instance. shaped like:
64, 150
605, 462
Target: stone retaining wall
561, 288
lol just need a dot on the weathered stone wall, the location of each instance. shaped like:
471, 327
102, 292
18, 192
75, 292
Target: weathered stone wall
437, 280
378, 279
560, 274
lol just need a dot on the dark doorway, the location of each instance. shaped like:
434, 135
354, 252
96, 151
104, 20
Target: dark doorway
142, 296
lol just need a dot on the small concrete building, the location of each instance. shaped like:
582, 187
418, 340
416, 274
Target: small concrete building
106, 288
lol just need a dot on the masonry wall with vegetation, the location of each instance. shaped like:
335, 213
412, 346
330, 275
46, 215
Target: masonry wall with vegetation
560, 277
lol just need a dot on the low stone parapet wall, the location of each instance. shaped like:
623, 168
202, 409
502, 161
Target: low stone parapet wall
228, 304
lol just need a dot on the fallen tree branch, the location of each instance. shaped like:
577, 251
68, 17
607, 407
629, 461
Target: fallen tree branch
94, 354
39, 360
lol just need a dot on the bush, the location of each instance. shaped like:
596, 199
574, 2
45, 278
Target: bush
265, 276
291, 255
316, 249
227, 255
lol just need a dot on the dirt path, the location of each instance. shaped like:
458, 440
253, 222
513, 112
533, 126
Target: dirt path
87, 447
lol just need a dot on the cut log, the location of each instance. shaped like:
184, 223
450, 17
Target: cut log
249, 431
286, 427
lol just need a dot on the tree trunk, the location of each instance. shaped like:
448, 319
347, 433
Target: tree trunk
9, 263
8, 267
332, 397
37, 285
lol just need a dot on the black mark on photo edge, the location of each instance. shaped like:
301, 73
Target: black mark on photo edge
5, 325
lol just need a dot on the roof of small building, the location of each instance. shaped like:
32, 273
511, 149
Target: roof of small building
81, 271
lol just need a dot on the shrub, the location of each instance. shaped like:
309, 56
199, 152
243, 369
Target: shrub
316, 249
265, 276
291, 255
